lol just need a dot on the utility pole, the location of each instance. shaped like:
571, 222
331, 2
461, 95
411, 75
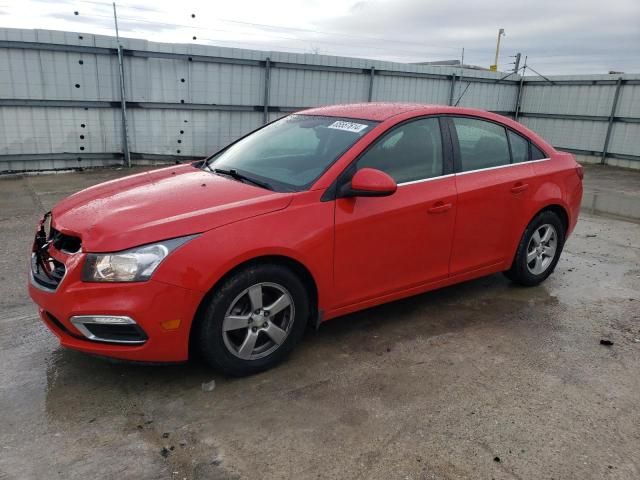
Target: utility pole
462, 59
520, 90
516, 64
123, 101
494, 67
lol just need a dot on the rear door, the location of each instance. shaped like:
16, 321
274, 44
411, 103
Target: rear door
492, 195
387, 244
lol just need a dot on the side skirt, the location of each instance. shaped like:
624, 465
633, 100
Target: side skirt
482, 272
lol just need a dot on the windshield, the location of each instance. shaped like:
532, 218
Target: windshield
291, 153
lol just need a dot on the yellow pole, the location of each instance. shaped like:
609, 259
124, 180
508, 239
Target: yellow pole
494, 67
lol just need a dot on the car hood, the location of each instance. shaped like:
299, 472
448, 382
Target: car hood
152, 206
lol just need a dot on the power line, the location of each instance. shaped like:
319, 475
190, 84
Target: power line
497, 80
278, 27
208, 29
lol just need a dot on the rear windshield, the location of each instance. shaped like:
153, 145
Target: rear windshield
293, 152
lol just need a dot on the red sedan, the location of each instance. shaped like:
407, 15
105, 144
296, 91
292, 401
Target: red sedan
318, 214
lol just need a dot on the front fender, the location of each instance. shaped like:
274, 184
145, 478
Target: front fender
302, 232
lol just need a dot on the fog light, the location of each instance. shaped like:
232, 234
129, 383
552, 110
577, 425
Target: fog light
109, 328
104, 319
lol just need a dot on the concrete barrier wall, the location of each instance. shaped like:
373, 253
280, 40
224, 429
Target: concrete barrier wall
60, 98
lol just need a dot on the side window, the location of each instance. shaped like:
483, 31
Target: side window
410, 152
536, 153
519, 148
482, 144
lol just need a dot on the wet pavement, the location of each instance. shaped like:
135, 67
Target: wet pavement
480, 380
612, 191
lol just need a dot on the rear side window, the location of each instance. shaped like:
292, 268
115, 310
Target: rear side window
519, 148
482, 144
536, 153
412, 151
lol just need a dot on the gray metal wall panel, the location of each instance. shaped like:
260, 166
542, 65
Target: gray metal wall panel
47, 75
625, 138
307, 88
568, 99
160, 80
629, 101
408, 89
487, 96
578, 134
226, 84
35, 130
204, 132
52, 75
33, 165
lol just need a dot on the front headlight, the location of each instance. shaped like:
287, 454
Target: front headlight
134, 265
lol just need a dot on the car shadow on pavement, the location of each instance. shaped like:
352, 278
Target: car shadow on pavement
489, 300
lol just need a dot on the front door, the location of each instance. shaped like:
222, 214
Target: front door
387, 244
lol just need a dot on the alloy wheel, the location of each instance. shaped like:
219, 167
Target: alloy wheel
258, 321
542, 249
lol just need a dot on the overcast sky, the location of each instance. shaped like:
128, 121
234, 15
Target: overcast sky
559, 37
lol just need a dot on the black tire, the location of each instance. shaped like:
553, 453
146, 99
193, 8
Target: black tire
216, 349
520, 272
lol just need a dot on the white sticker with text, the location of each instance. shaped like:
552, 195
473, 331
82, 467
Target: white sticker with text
348, 126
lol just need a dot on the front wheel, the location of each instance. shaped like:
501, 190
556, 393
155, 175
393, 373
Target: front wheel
539, 250
253, 320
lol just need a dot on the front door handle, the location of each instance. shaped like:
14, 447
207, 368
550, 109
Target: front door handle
440, 207
519, 187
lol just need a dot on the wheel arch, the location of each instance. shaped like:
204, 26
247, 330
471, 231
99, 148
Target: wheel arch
560, 211
555, 207
294, 265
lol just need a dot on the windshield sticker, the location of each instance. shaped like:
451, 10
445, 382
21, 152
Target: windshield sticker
348, 126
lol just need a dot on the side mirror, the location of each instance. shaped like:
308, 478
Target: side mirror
369, 182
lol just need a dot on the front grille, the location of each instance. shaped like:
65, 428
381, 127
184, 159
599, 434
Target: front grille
47, 272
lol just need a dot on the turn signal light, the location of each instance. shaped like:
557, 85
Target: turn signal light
170, 324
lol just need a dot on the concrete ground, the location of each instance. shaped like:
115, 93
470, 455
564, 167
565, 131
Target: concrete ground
481, 380
612, 191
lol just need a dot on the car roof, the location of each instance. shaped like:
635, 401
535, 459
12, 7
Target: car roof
381, 111
377, 111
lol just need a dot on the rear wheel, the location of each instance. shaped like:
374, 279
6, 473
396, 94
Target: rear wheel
539, 250
253, 320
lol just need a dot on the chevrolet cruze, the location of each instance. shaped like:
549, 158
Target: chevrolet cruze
313, 216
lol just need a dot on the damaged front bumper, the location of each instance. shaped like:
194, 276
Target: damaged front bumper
142, 321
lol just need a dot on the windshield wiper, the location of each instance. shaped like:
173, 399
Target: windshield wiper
239, 176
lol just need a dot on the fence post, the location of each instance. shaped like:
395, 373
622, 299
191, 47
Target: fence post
372, 74
123, 97
453, 88
519, 97
123, 110
267, 89
614, 106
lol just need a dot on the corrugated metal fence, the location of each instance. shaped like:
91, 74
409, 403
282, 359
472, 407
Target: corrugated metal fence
60, 99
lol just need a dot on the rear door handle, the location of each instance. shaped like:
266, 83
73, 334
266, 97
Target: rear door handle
440, 207
519, 187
